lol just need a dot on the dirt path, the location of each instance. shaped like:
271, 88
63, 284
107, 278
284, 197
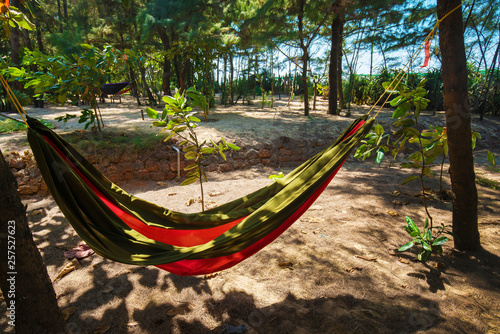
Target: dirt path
334, 271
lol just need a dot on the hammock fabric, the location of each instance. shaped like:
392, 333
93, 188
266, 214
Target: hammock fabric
113, 88
126, 229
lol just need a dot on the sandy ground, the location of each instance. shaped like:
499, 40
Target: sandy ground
336, 270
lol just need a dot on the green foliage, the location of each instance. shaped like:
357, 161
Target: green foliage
430, 238
425, 146
178, 120
8, 125
492, 184
71, 77
491, 159
6, 104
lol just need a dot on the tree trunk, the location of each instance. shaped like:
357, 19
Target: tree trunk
336, 46
231, 70
151, 98
339, 77
167, 65
26, 286
458, 123
15, 43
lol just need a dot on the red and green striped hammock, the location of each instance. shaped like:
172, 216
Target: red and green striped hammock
126, 229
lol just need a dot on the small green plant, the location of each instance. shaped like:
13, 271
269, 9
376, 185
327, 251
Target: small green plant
430, 242
178, 120
427, 145
491, 159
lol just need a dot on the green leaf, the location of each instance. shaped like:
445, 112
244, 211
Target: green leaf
491, 158
193, 173
409, 179
380, 156
411, 224
438, 249
233, 147
153, 114
194, 119
423, 255
191, 155
401, 110
160, 123
412, 132
207, 150
414, 234
189, 181
16, 72
406, 246
379, 129
169, 100
191, 166
440, 241
426, 223
428, 236
179, 129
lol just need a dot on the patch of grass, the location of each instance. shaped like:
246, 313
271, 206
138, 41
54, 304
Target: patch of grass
112, 144
8, 125
495, 185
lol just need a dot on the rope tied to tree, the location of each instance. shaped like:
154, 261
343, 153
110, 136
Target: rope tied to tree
399, 77
14, 100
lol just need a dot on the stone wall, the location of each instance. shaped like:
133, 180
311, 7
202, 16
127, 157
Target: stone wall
160, 163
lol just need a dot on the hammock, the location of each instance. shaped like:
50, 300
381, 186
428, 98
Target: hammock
113, 88
127, 229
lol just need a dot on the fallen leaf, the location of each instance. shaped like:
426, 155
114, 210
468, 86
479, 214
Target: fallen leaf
351, 270
303, 232
67, 312
162, 183
211, 276
396, 193
392, 252
213, 194
69, 267
171, 194
404, 286
405, 261
102, 329
392, 213
285, 264
373, 259
179, 310
400, 202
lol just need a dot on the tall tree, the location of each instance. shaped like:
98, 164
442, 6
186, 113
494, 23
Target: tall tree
30, 298
458, 124
24, 281
335, 55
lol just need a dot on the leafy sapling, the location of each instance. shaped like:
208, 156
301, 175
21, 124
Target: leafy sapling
178, 120
430, 242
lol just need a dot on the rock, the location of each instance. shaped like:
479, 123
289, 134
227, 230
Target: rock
17, 163
263, 154
27, 189
251, 154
